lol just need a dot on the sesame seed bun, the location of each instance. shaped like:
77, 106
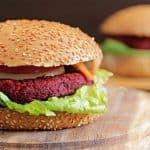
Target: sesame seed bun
23, 121
44, 43
131, 21
127, 66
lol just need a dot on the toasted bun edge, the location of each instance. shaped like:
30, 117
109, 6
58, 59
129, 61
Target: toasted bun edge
12, 120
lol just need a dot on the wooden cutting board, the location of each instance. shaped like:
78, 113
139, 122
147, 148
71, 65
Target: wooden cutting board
126, 125
130, 82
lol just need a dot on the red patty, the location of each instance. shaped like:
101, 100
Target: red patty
135, 42
43, 88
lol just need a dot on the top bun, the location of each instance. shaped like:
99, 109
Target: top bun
131, 21
44, 43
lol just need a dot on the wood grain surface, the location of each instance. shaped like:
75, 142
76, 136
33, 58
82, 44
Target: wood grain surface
130, 82
126, 125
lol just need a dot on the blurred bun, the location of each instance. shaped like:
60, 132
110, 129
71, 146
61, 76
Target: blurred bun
127, 66
131, 21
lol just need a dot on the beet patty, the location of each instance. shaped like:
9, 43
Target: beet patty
43, 88
135, 42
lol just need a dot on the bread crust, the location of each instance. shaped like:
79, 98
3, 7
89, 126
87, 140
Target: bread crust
127, 66
44, 43
131, 21
11, 120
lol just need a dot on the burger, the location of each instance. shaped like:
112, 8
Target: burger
49, 76
127, 43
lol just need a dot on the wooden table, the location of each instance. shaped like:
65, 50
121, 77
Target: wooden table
126, 125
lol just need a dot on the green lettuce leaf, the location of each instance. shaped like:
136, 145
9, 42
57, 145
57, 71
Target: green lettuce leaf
87, 100
110, 46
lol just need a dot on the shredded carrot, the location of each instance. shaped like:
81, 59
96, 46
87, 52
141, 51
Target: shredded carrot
94, 67
81, 67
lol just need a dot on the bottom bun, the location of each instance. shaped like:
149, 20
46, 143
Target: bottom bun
12, 120
127, 66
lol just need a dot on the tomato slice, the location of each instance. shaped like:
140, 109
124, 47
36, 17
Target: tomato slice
26, 69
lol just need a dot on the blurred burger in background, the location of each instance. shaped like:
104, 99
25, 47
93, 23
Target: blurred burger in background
127, 43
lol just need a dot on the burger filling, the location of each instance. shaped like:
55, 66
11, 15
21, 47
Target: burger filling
42, 91
42, 88
140, 43
127, 46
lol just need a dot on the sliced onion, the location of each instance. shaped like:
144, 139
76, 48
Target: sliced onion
11, 76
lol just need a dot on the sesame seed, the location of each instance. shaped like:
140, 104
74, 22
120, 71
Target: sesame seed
43, 121
24, 54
